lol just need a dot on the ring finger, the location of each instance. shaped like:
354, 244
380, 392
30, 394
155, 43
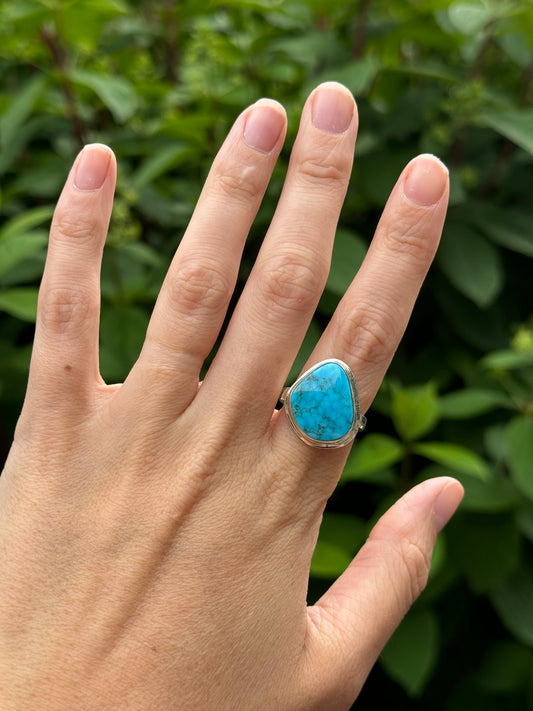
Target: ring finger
369, 322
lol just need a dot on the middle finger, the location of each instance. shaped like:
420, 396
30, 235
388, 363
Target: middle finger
282, 292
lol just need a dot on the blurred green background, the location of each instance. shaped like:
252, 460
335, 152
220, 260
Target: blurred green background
161, 82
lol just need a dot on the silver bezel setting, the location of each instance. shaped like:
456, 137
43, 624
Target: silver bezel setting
359, 421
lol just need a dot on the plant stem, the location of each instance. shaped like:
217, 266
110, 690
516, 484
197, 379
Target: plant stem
359, 39
406, 470
508, 146
171, 42
459, 146
479, 64
61, 64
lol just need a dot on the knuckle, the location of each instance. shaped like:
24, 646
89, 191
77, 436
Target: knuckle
408, 238
197, 287
278, 497
242, 183
416, 563
62, 309
280, 507
367, 336
162, 365
159, 369
324, 170
292, 284
68, 226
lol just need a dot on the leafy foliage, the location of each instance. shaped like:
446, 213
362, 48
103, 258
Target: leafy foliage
161, 83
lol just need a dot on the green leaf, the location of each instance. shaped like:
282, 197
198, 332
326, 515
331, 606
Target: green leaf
454, 456
349, 250
82, 21
469, 17
357, 76
122, 330
492, 494
524, 519
33, 126
19, 109
414, 410
426, 68
377, 172
513, 601
115, 92
19, 241
27, 271
259, 4
517, 48
343, 530
516, 125
14, 251
508, 227
20, 302
471, 263
471, 402
340, 537
485, 330
142, 253
158, 163
519, 439
22, 10
412, 652
494, 442
329, 560
486, 547
505, 667
507, 360
25, 222
304, 48
438, 558
372, 453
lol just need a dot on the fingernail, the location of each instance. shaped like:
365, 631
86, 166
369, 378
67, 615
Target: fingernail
264, 125
446, 504
425, 181
93, 164
333, 108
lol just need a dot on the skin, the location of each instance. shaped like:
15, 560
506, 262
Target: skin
156, 536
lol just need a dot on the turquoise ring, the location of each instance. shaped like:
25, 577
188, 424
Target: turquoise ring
323, 405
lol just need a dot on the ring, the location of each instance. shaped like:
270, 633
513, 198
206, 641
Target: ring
323, 405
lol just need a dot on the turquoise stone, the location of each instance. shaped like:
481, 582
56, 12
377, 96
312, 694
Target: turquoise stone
322, 403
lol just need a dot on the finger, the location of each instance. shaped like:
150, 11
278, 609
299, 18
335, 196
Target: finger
349, 626
372, 317
283, 289
194, 297
369, 322
64, 367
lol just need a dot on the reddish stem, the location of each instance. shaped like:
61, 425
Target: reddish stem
359, 39
61, 64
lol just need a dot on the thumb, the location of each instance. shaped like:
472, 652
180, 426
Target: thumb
349, 626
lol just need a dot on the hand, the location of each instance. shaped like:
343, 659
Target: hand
156, 536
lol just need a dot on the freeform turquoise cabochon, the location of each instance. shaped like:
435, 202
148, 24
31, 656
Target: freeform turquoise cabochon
322, 401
